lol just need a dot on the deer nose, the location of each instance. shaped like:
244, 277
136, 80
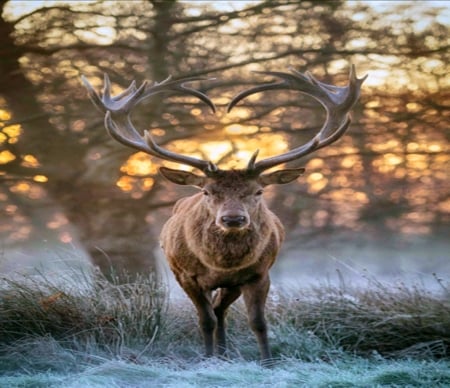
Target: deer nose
234, 221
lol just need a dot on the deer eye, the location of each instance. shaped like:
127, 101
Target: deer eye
205, 192
259, 192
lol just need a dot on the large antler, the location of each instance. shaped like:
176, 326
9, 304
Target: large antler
118, 122
336, 100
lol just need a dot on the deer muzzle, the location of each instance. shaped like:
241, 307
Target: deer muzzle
233, 221
232, 216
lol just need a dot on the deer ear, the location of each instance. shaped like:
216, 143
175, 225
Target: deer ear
182, 177
280, 177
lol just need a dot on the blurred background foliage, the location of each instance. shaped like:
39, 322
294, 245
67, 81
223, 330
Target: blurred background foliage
386, 182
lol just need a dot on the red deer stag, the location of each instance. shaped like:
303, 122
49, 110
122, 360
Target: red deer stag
224, 238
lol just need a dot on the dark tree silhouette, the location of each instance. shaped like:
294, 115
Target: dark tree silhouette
391, 165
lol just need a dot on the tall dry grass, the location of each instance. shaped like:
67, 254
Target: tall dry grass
317, 323
82, 307
389, 320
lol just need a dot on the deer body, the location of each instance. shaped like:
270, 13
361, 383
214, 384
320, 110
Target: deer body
221, 242
206, 251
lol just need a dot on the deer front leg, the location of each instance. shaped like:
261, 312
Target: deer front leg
222, 300
206, 317
255, 295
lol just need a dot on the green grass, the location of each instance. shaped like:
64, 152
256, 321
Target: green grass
79, 329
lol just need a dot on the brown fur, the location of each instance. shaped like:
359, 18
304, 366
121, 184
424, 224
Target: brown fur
206, 256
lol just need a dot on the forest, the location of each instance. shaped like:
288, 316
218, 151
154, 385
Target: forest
385, 182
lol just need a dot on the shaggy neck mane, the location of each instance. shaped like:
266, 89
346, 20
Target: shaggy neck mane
231, 249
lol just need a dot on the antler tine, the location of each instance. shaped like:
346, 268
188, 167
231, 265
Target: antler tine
337, 101
119, 125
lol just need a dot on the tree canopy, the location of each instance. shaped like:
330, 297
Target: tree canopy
61, 172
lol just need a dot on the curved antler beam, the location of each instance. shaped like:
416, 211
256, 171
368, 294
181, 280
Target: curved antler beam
118, 123
337, 101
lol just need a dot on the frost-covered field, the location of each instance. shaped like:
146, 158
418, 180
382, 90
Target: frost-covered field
79, 330
76, 370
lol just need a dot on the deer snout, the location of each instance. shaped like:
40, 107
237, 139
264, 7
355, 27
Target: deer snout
232, 216
234, 221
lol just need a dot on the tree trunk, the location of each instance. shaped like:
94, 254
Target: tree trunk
111, 226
